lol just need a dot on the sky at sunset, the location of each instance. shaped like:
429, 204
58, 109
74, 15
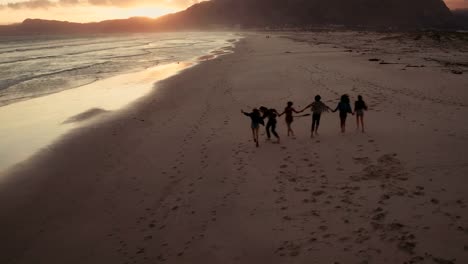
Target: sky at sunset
13, 11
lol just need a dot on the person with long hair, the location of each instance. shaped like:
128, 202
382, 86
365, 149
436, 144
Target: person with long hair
344, 108
257, 120
359, 107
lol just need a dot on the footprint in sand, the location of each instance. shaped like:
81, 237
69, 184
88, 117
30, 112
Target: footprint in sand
318, 193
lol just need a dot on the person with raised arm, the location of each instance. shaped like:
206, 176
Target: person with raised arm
257, 120
317, 108
288, 111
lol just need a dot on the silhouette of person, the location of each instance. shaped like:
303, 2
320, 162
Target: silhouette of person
344, 108
288, 111
359, 107
317, 108
257, 120
271, 115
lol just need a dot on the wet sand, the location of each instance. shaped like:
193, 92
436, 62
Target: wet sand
175, 178
34, 124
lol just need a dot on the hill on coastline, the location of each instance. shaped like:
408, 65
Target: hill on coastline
461, 18
366, 13
397, 14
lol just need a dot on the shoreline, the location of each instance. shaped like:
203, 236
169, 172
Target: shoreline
175, 177
153, 52
54, 115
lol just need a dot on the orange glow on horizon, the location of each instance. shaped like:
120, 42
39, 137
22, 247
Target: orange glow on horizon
83, 11
457, 4
83, 14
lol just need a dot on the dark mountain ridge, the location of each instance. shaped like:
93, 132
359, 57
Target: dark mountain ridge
245, 14
461, 18
370, 13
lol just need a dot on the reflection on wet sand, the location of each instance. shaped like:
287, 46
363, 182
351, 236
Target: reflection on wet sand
30, 125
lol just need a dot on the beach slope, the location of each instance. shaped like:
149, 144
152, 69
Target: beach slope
175, 178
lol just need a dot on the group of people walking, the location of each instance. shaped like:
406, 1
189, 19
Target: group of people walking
258, 116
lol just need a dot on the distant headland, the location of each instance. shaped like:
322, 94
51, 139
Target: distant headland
270, 14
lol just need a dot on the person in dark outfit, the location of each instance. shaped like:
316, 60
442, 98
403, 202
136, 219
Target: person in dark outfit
257, 120
317, 108
271, 115
359, 108
344, 108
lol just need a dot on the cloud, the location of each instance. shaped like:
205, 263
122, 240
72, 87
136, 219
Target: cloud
120, 3
70, 2
126, 3
31, 4
44, 4
457, 3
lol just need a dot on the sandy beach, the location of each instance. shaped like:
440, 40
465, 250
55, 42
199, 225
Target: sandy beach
176, 178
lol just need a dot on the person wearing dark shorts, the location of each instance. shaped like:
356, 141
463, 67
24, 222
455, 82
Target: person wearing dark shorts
344, 108
317, 108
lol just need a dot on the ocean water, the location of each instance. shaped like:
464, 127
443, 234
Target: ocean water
39, 65
52, 85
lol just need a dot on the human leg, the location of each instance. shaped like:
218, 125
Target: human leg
290, 127
289, 120
362, 122
312, 128
317, 123
291, 130
343, 122
256, 136
268, 127
273, 130
357, 121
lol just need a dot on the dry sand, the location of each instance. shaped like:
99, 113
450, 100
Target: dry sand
176, 178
